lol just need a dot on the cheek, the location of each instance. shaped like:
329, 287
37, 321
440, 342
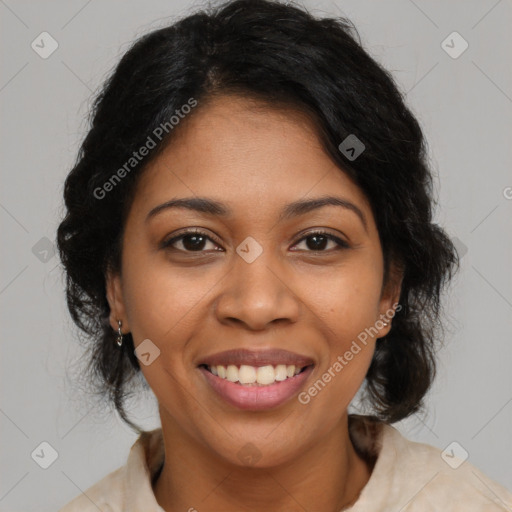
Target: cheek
347, 306
347, 299
160, 299
161, 304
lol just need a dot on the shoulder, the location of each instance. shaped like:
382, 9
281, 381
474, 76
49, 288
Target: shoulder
128, 487
103, 495
416, 477
428, 478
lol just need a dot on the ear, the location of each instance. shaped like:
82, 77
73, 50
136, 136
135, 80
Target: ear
116, 301
389, 301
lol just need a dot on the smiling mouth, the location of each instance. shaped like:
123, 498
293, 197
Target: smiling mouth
256, 388
259, 376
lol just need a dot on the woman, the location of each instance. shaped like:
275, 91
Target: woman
249, 226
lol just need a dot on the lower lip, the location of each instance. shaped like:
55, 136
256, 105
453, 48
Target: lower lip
256, 398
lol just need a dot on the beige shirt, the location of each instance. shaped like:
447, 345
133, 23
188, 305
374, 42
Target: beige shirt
407, 477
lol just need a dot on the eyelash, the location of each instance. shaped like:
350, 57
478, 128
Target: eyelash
168, 243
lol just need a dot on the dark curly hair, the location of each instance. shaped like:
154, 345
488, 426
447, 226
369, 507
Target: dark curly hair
282, 55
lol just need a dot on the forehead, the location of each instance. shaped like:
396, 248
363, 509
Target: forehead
247, 155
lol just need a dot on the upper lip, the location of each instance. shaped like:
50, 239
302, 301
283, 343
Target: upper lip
257, 358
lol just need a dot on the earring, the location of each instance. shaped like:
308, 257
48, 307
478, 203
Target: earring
119, 333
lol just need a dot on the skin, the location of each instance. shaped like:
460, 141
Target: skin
255, 159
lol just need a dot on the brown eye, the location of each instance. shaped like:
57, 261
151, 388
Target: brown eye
318, 240
191, 241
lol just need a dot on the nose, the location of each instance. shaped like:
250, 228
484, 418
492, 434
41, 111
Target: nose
257, 294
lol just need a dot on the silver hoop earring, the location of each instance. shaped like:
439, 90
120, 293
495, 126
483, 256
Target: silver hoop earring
119, 334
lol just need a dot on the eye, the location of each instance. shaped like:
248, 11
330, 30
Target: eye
195, 241
320, 239
191, 241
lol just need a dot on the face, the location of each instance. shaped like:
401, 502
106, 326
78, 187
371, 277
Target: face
252, 278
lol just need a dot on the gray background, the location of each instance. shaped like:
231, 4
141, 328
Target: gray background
464, 105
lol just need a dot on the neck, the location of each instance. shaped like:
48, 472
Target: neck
327, 476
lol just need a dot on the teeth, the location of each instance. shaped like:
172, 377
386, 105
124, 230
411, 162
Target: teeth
264, 375
252, 375
232, 373
281, 372
247, 375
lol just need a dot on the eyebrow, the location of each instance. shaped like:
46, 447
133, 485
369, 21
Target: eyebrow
215, 208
